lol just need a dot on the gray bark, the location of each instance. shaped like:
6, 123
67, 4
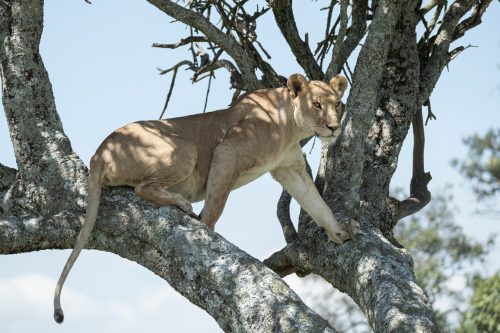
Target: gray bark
356, 174
237, 290
50, 174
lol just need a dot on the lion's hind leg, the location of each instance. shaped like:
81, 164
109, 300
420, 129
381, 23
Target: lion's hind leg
156, 193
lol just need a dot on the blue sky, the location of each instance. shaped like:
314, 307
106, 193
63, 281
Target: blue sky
104, 75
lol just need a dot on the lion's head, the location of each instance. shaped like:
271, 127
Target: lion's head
318, 108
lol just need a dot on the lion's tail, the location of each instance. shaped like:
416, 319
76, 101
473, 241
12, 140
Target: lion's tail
94, 195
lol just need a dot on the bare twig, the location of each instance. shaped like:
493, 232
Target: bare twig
263, 49
175, 67
172, 83
269, 78
235, 76
430, 115
208, 91
456, 51
323, 46
182, 42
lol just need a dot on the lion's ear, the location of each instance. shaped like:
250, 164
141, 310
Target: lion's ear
297, 84
339, 84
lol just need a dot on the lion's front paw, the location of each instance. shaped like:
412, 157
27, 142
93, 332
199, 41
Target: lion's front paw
353, 229
342, 232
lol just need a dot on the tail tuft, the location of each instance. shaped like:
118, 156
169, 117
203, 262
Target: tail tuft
58, 316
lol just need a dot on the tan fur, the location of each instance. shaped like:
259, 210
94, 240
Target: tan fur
205, 156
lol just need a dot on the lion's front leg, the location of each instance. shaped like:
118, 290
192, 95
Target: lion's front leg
221, 179
301, 187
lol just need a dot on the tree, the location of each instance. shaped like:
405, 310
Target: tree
441, 251
484, 313
482, 165
393, 78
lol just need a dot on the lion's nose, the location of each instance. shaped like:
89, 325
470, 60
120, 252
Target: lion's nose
332, 128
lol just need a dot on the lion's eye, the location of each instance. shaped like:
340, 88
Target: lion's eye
316, 104
337, 104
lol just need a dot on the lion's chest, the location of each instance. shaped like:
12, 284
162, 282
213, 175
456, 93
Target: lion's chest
250, 175
261, 167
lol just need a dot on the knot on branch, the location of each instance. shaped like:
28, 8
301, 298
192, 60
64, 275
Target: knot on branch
7, 177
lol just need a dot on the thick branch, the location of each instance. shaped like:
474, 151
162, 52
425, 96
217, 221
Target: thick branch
236, 289
380, 278
397, 108
283, 14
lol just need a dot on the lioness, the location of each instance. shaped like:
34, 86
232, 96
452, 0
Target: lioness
205, 156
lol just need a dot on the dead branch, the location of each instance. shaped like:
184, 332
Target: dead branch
235, 77
324, 46
208, 91
227, 42
245, 30
175, 67
420, 196
172, 83
456, 51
